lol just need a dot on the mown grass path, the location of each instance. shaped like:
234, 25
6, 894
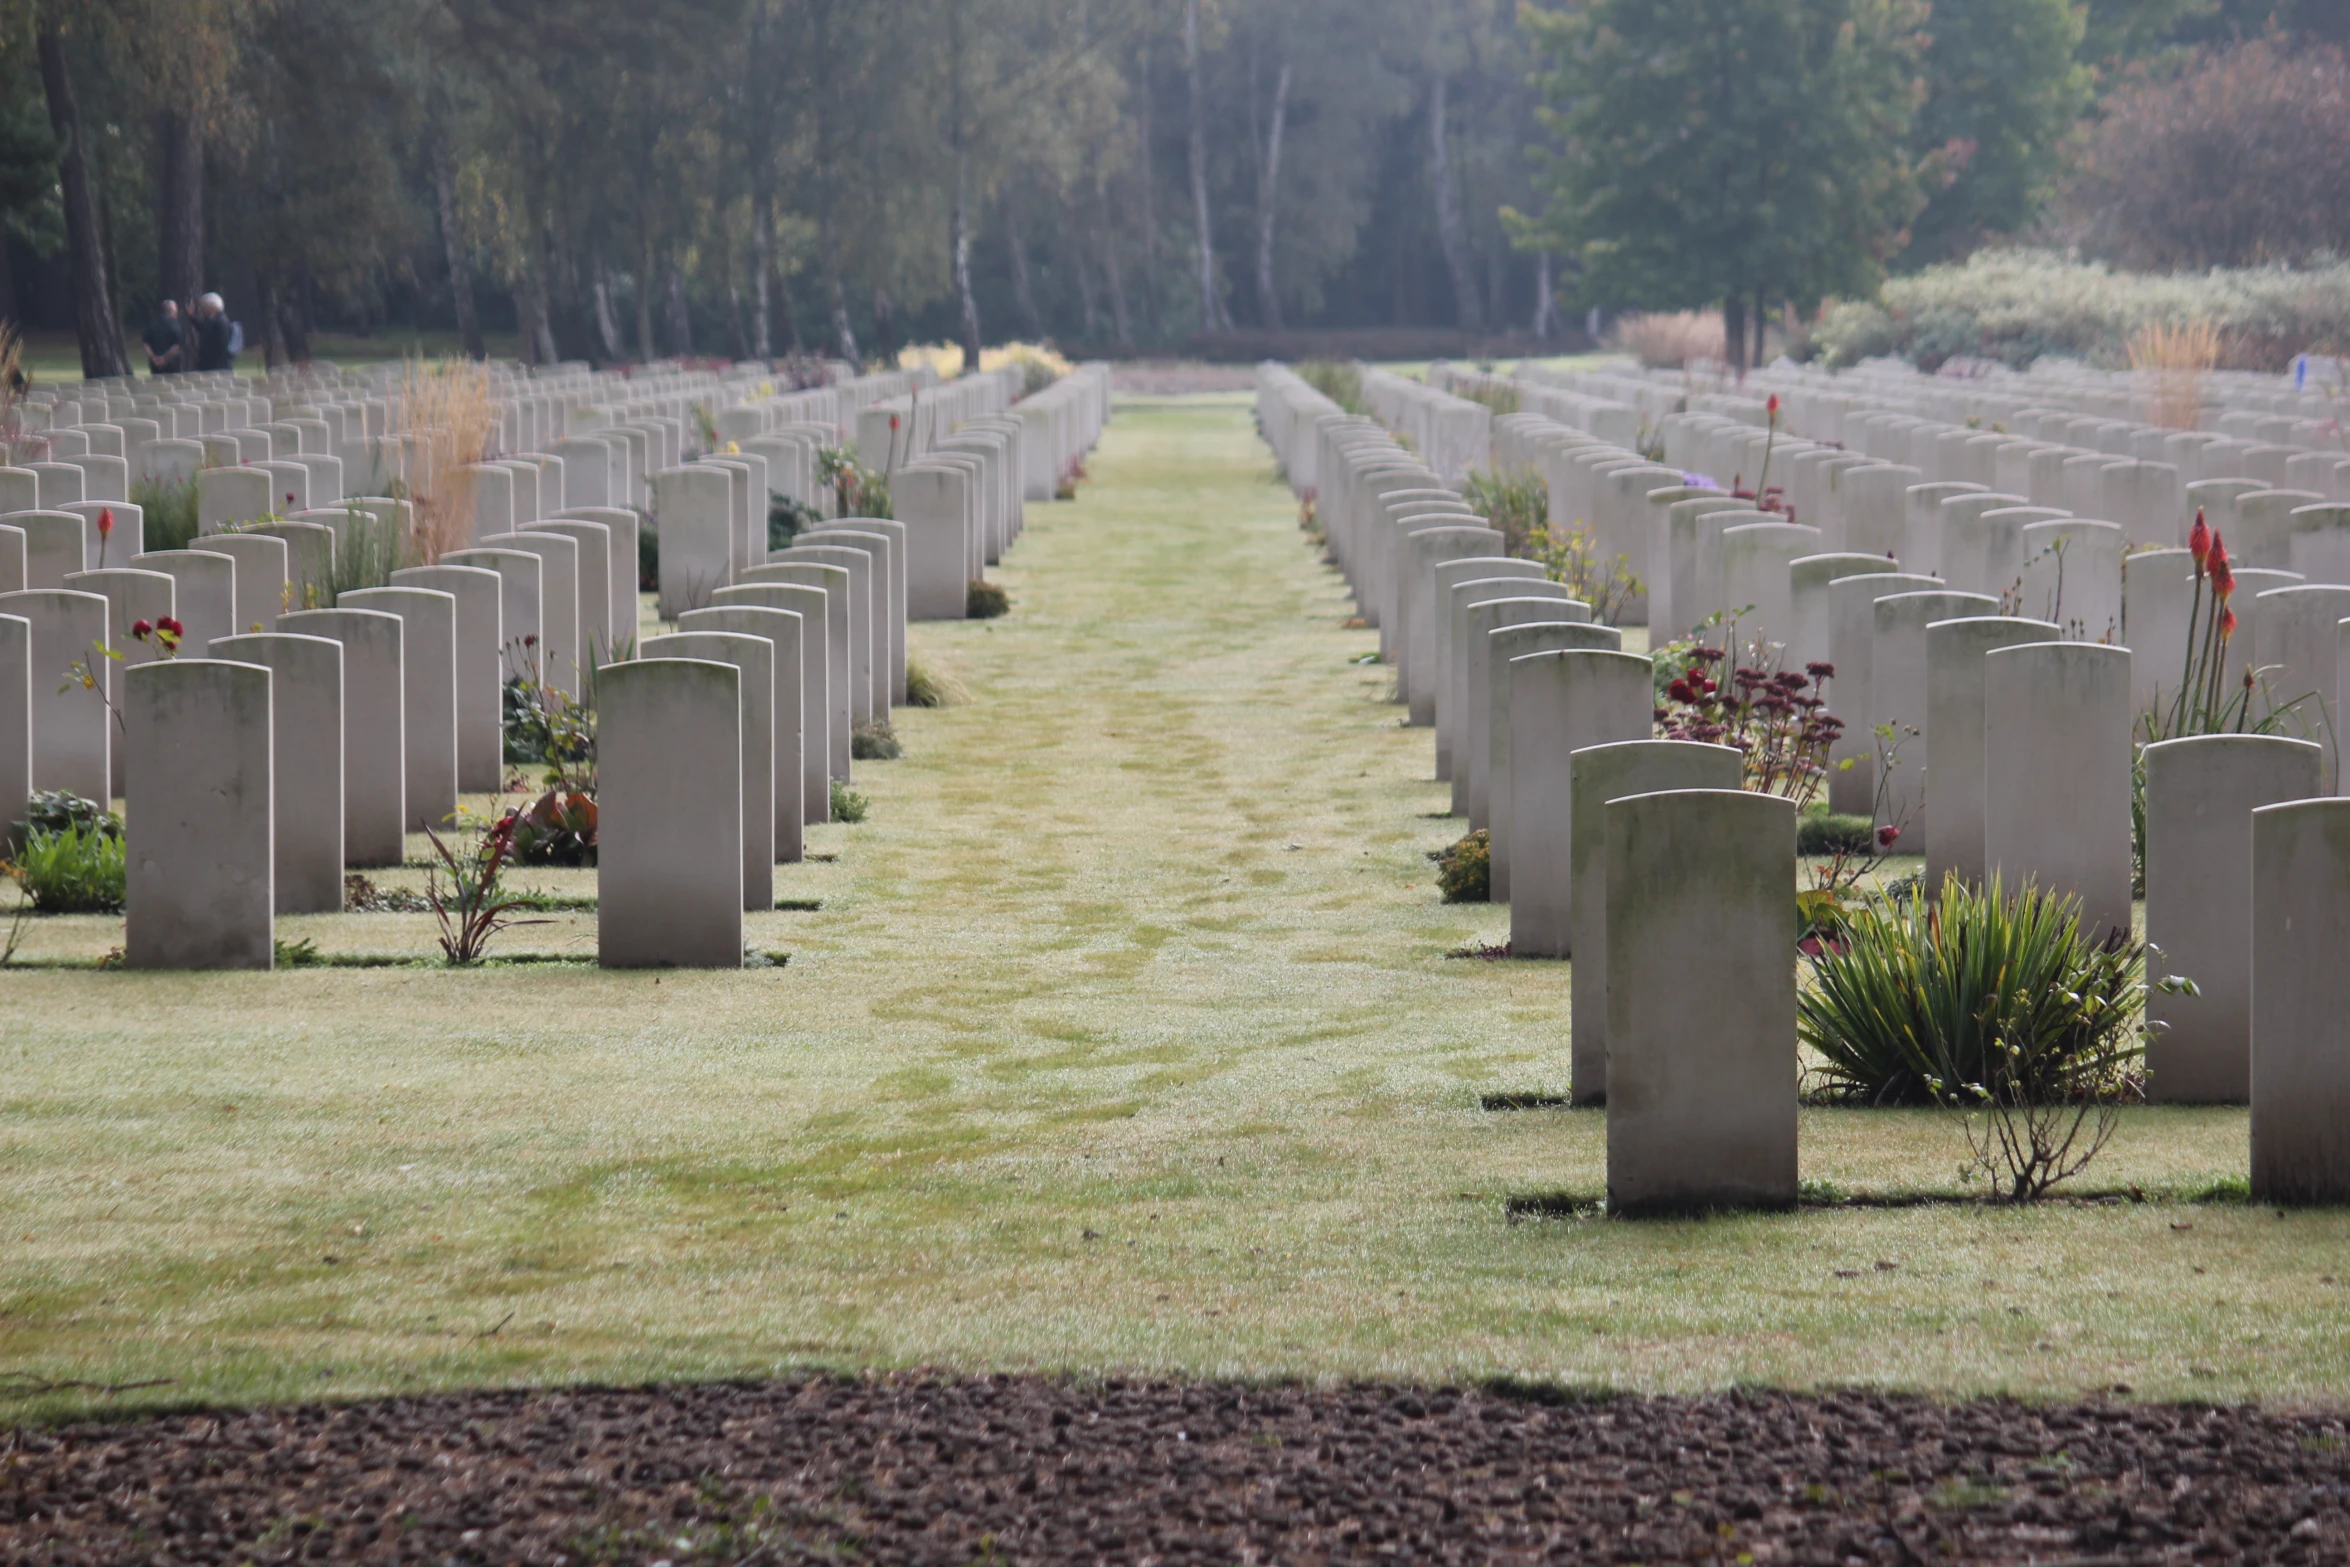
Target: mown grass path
1124, 1040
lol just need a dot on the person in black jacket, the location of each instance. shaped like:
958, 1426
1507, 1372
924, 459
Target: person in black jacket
166, 340
212, 335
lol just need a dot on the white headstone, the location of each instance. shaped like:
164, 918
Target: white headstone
306, 763
1559, 703
754, 658
669, 832
375, 732
199, 891
2301, 1002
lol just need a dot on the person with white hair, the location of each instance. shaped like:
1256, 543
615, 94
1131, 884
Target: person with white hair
212, 335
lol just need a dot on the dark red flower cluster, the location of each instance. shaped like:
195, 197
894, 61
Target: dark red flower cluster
1777, 718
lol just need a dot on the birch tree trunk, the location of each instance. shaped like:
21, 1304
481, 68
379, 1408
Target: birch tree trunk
1023, 289
444, 182
1449, 232
1269, 201
1211, 312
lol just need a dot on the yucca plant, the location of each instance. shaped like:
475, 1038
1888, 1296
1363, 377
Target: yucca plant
1999, 1005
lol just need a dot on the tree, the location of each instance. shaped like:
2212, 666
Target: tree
1742, 151
2003, 92
2239, 160
97, 328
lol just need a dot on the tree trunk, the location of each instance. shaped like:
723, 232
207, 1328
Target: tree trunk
444, 179
1545, 301
1117, 274
762, 266
734, 322
1268, 201
8, 310
681, 321
607, 324
969, 301
1734, 332
1086, 302
1762, 320
885, 329
273, 330
1023, 289
179, 209
781, 287
94, 324
1449, 232
296, 311
1147, 172
645, 350
1211, 313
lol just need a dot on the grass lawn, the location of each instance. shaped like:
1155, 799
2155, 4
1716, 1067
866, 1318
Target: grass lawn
1124, 1040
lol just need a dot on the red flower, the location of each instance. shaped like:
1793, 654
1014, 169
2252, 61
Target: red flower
1772, 407
2223, 580
893, 422
1679, 691
105, 521
289, 497
1886, 835
1820, 671
167, 623
142, 630
2199, 540
2227, 623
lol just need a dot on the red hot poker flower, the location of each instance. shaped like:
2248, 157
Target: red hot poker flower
2223, 579
2199, 540
105, 522
2227, 624
1772, 407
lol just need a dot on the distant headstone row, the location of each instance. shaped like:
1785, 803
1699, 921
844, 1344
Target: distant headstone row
308, 722
1982, 628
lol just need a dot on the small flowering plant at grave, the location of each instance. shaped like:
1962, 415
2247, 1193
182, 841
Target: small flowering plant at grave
1777, 719
470, 906
1765, 495
2207, 701
557, 731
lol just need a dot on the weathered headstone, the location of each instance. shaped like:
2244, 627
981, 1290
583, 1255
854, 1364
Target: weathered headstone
16, 724
2056, 775
669, 858
1603, 773
204, 594
796, 785
841, 686
306, 763
262, 581
2301, 1002
754, 659
559, 656
2201, 792
428, 685
1490, 785
519, 597
375, 765
199, 890
822, 747
1701, 1072
1898, 694
1559, 703
695, 507
594, 564
480, 666
131, 596
1954, 747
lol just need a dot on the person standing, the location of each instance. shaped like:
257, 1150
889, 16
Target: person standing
166, 340
212, 339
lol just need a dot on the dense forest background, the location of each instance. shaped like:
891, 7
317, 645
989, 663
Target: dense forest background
618, 179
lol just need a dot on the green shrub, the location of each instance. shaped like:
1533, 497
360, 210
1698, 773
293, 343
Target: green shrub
55, 810
1818, 832
169, 510
1515, 502
847, 804
73, 871
1337, 380
786, 520
875, 742
1979, 993
985, 600
2016, 305
930, 686
1464, 871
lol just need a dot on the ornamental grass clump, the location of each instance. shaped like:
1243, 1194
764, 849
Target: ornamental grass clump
1998, 1005
73, 870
